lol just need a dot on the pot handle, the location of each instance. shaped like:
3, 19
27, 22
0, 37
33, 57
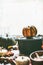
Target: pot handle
14, 62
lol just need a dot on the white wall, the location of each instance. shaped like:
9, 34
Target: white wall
16, 14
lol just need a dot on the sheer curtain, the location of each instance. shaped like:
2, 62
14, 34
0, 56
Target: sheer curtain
16, 14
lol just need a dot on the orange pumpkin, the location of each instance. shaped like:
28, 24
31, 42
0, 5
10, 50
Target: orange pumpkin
29, 31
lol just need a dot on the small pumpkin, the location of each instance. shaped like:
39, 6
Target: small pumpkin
33, 30
29, 31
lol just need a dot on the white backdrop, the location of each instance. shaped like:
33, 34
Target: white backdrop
16, 14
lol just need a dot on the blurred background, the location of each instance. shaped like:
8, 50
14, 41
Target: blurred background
17, 14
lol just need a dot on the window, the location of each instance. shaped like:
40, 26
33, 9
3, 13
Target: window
14, 15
